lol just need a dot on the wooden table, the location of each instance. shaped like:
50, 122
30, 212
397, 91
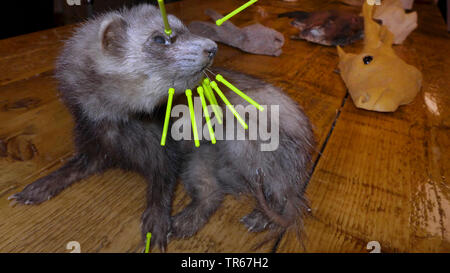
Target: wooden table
377, 177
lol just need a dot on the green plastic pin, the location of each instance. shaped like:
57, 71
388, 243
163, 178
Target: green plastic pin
167, 118
234, 12
147, 246
225, 100
206, 92
191, 111
239, 92
162, 8
205, 110
212, 100
211, 93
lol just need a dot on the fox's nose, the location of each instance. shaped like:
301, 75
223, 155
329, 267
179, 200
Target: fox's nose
211, 51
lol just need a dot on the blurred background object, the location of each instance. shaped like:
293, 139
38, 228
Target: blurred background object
21, 17
444, 6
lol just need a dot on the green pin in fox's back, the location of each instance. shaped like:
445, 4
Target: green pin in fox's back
162, 8
167, 118
236, 11
239, 92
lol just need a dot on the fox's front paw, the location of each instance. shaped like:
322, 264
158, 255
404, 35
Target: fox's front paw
36, 193
158, 224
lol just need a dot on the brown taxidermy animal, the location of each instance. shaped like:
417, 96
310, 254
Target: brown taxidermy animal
328, 27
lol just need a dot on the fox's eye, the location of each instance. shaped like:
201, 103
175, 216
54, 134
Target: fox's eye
367, 59
159, 39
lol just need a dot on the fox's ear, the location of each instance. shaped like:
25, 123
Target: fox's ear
113, 35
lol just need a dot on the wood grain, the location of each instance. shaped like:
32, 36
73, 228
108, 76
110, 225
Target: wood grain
383, 177
380, 177
25, 56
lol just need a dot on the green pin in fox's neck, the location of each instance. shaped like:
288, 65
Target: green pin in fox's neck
162, 8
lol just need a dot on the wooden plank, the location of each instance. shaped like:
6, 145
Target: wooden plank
383, 176
35, 128
25, 56
103, 212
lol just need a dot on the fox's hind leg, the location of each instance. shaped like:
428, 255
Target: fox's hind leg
256, 221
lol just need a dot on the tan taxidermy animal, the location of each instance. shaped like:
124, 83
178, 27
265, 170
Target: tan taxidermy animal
377, 79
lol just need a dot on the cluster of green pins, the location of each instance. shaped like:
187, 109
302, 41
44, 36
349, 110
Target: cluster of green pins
206, 89
206, 92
